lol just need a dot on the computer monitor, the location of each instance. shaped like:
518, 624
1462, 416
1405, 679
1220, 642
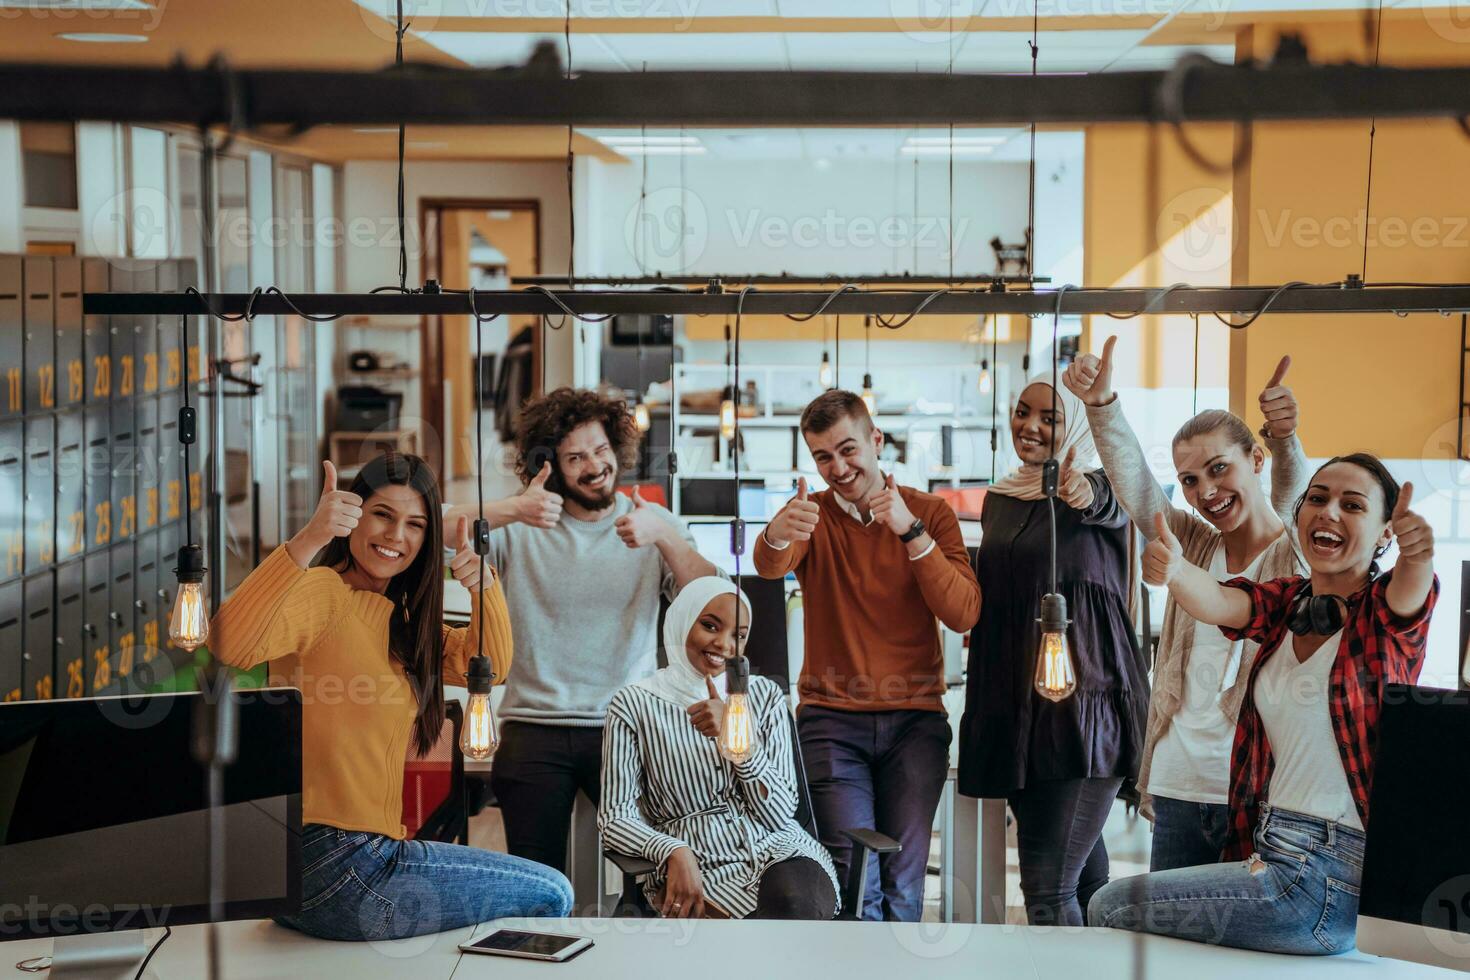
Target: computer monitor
104, 822
1415, 901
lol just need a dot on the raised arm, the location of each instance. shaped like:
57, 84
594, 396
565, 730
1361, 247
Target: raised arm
1191, 586
534, 506
1090, 378
1413, 573
783, 545
489, 629
1289, 468
946, 580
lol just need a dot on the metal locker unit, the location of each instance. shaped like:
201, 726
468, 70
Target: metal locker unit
145, 336
122, 615
124, 472
121, 330
12, 639
170, 353
96, 629
69, 653
71, 494
40, 497
40, 635
39, 279
12, 499
97, 476
97, 333
150, 513
71, 374
145, 604
12, 337
170, 459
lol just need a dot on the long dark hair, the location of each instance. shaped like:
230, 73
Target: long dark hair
415, 629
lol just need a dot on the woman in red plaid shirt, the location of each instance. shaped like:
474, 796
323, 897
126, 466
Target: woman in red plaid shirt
1302, 763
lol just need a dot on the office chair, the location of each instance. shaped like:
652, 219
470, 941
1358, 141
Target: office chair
633, 903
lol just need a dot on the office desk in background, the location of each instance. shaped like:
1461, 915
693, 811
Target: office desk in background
743, 951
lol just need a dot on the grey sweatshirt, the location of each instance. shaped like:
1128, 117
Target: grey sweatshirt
583, 613
1142, 497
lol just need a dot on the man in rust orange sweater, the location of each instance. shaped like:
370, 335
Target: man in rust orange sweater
878, 564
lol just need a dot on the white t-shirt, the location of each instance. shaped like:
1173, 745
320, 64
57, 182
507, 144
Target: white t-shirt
1292, 699
1192, 761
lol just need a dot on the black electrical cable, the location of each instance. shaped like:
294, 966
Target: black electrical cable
1372, 136
571, 201
167, 931
184, 385
402, 224
1153, 304
1194, 406
994, 393
1051, 497
1031, 170
319, 318
804, 317
1264, 306
481, 526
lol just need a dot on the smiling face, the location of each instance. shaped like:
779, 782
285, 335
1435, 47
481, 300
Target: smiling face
847, 457
1220, 480
588, 466
712, 640
391, 532
1343, 520
1033, 421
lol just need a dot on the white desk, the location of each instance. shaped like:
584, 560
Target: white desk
745, 950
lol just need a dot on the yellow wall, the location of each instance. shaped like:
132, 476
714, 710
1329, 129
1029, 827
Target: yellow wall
1385, 384
1295, 211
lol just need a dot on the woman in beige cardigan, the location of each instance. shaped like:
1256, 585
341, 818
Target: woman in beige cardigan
1200, 677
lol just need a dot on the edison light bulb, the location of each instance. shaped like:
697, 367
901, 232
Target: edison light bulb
824, 373
1056, 678
478, 740
188, 627
985, 383
738, 739
640, 417
868, 398
727, 419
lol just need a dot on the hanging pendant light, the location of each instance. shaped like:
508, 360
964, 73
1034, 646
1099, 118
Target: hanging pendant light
986, 383
727, 419
1056, 672
641, 418
738, 739
188, 624
478, 740
869, 399
824, 373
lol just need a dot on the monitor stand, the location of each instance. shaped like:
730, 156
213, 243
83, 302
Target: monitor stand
98, 956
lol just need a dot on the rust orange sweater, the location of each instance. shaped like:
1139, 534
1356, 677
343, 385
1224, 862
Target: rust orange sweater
871, 640
358, 708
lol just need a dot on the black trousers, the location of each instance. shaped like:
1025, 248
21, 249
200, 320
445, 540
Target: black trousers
536, 774
1059, 824
796, 888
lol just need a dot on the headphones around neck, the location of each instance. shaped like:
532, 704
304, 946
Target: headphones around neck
1320, 614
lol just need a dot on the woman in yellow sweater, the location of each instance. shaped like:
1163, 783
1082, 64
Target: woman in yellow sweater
361, 632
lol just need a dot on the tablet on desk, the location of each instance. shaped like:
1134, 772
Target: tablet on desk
528, 945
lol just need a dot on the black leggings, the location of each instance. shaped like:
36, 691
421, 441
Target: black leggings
796, 888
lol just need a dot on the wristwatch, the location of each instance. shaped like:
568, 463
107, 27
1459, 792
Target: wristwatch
915, 529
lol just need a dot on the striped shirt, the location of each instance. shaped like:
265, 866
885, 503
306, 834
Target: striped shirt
665, 786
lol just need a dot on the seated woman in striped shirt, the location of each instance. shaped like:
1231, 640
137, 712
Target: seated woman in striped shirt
724, 835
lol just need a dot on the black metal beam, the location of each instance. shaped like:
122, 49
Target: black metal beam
1234, 300
774, 279
538, 94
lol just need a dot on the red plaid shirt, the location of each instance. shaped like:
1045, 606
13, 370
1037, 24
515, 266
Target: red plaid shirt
1377, 648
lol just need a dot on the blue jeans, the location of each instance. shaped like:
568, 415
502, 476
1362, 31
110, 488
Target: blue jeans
883, 771
361, 886
1187, 834
1059, 824
1297, 894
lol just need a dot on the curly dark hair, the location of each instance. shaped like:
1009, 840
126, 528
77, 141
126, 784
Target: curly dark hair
544, 422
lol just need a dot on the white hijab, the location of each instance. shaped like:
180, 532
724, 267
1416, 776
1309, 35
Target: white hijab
1024, 479
679, 682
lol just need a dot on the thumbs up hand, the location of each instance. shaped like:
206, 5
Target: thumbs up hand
1415, 536
337, 512
641, 527
1073, 486
706, 716
537, 506
797, 521
1278, 404
1163, 557
889, 509
1090, 377
465, 565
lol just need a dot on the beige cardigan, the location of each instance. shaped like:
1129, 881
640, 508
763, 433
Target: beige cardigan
1142, 497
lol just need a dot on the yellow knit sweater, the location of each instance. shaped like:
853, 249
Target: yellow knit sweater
358, 708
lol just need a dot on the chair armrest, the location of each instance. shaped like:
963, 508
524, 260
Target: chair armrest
629, 864
873, 841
